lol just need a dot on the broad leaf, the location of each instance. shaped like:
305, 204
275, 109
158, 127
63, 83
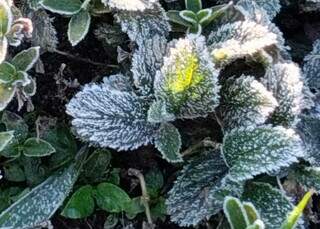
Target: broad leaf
111, 118
252, 151
285, 81
168, 142
238, 40
25, 60
271, 203
200, 189
188, 81
111, 198
245, 102
66, 7
81, 204
79, 27
41, 203
34, 147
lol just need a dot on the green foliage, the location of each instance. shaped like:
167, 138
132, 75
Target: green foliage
79, 26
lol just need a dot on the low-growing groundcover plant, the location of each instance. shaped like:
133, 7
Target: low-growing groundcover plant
211, 85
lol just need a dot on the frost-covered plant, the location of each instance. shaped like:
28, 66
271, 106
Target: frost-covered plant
80, 13
194, 17
262, 116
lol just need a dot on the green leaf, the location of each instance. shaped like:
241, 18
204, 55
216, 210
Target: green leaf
81, 204
134, 207
168, 142
34, 170
96, 166
16, 124
307, 177
193, 5
253, 150
79, 27
31, 88
189, 16
111, 198
174, 16
204, 15
3, 48
13, 172
6, 95
41, 203
235, 213
251, 212
64, 143
271, 203
296, 213
6, 18
7, 72
34, 147
25, 60
66, 7
5, 138
12, 150
159, 210
154, 182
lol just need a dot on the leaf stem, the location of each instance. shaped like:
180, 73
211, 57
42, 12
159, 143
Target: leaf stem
145, 197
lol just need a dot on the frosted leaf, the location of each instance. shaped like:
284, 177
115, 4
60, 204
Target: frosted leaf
42, 202
188, 81
158, 113
142, 26
307, 177
245, 102
168, 142
130, 5
286, 83
271, 7
311, 68
147, 59
44, 34
271, 203
255, 150
238, 40
200, 189
309, 130
112, 118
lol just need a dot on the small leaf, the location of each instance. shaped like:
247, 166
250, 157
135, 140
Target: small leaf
34, 147
15, 123
66, 7
134, 207
25, 60
6, 18
79, 27
7, 72
3, 48
189, 16
31, 88
235, 213
251, 212
14, 172
168, 142
174, 16
271, 203
296, 213
193, 5
41, 203
81, 204
6, 95
111, 198
204, 15
154, 182
5, 138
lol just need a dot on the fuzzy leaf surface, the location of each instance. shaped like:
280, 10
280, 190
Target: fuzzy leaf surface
245, 102
112, 118
252, 151
307, 177
311, 67
25, 60
200, 189
131, 5
271, 203
79, 26
67, 7
168, 142
188, 81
